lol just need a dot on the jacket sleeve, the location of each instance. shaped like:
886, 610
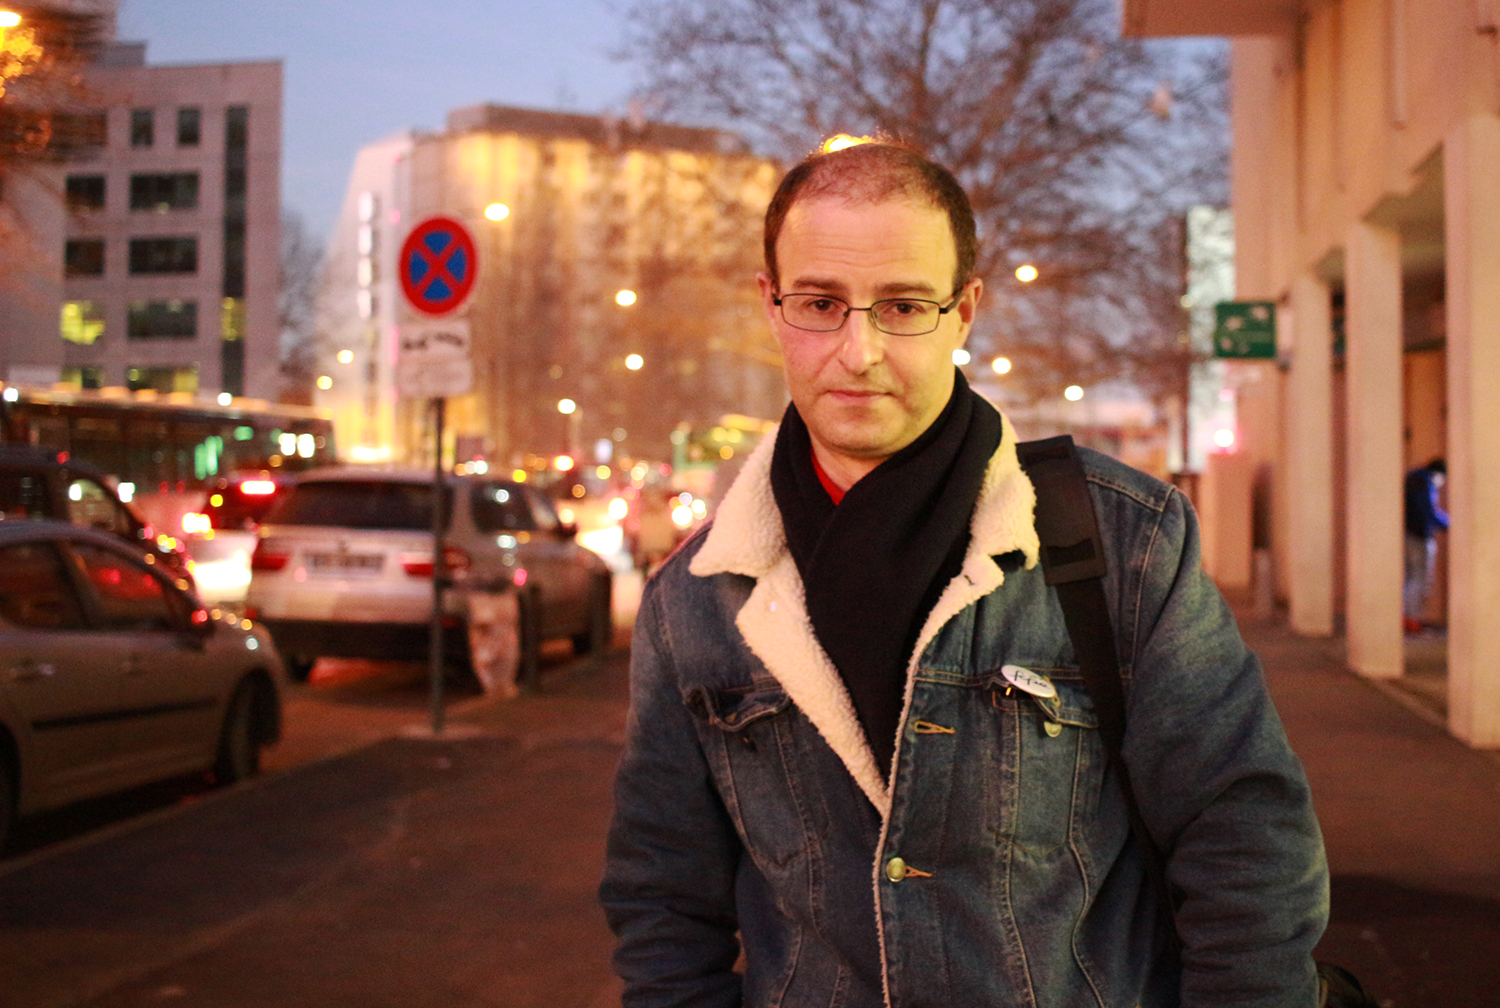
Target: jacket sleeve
673, 853
1220, 789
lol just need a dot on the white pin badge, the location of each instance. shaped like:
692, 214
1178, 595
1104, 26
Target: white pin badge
1031, 682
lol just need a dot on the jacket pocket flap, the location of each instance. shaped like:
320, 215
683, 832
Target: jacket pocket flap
733, 708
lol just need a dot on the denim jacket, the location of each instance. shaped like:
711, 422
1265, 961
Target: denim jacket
995, 865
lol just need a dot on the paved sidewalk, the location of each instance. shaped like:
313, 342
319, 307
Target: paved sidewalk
1411, 819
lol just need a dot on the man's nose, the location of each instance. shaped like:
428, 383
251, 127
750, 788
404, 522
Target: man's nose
863, 345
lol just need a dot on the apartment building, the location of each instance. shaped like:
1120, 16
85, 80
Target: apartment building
1366, 195
616, 265
172, 233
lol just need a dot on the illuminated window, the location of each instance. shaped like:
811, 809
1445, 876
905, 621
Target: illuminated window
82, 322
162, 379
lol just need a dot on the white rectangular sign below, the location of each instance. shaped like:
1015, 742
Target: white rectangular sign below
433, 362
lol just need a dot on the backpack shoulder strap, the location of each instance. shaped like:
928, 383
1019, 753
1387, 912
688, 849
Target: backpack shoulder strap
1074, 563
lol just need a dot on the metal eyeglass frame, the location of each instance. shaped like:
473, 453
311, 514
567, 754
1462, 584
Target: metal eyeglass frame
848, 308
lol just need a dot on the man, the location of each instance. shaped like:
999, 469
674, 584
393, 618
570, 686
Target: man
1424, 519
860, 754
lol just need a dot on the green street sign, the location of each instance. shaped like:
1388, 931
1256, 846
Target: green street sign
1245, 329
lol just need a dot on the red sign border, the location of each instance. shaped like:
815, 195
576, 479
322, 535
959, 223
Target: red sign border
465, 242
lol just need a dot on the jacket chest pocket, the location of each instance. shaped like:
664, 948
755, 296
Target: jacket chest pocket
763, 753
1051, 747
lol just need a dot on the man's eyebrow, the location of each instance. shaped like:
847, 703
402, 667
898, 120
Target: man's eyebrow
896, 288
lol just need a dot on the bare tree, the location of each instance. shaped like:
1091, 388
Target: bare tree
301, 346
1076, 147
43, 101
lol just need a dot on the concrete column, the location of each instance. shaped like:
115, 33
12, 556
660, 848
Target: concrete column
1372, 372
1309, 454
1471, 182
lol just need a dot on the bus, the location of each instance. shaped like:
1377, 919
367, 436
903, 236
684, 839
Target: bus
167, 452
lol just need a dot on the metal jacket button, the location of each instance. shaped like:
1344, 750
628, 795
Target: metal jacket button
1052, 728
895, 869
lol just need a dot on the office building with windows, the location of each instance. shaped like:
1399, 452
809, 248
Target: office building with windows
170, 256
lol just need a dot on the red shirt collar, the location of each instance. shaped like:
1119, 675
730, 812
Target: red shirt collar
828, 484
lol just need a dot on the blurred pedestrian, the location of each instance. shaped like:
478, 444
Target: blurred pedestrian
1424, 519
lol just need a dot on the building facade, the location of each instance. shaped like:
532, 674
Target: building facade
616, 265
1366, 192
170, 251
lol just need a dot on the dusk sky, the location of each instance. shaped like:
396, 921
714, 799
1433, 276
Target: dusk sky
358, 70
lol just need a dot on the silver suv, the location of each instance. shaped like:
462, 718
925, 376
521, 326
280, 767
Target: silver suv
343, 566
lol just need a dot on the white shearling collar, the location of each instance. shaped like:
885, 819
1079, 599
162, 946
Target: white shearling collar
747, 538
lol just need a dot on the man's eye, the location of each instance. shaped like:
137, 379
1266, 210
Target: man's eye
824, 305
903, 307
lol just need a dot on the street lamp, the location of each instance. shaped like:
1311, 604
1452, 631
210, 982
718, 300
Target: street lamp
961, 357
1026, 273
9, 19
1001, 365
625, 298
635, 362
1073, 393
497, 211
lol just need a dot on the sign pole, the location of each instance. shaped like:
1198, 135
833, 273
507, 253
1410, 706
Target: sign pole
439, 573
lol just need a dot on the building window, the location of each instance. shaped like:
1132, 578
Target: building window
79, 133
142, 127
161, 193
85, 192
83, 377
84, 257
82, 322
162, 379
163, 255
189, 126
236, 191
161, 320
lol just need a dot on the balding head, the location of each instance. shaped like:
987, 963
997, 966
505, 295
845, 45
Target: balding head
873, 173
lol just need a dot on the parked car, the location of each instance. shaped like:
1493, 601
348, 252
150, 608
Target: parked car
112, 674
40, 482
344, 565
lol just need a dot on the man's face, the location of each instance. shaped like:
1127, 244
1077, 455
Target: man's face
864, 394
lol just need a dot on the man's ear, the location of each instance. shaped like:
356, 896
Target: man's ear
767, 294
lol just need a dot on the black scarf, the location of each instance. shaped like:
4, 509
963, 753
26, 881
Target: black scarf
874, 565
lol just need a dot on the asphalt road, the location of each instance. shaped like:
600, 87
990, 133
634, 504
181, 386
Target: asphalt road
414, 871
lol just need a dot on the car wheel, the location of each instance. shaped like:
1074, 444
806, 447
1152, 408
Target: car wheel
239, 740
596, 639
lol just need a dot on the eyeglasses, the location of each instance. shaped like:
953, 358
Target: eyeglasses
893, 316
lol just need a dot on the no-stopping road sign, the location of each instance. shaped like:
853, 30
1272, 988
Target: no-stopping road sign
438, 265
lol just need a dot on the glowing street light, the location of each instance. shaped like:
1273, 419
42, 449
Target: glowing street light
566, 407
625, 298
1026, 273
325, 382
497, 211
345, 356
1001, 365
961, 357
1224, 437
1073, 393
9, 19
635, 362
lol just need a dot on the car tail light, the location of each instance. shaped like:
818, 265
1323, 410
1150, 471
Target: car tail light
257, 488
268, 559
455, 559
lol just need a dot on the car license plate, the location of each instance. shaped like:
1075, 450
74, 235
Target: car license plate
346, 563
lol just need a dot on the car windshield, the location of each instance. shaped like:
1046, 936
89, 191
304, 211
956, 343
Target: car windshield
358, 504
